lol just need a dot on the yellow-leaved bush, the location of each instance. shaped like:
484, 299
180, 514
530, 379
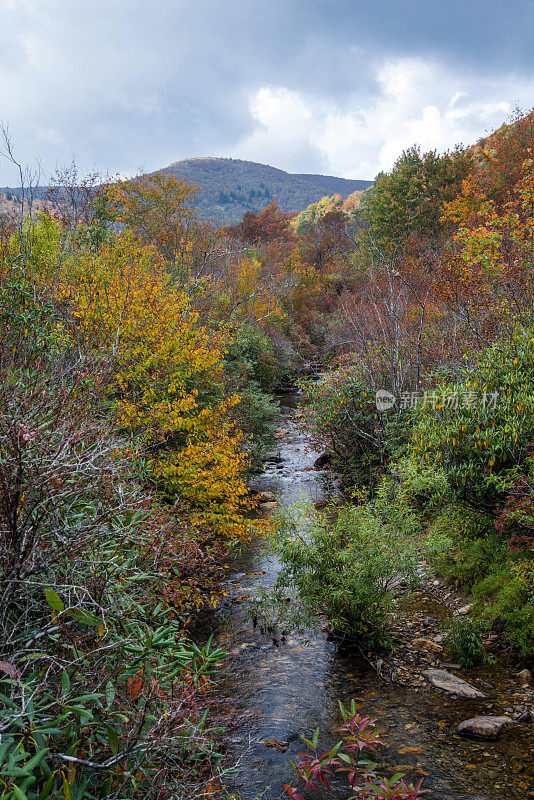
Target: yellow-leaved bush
167, 380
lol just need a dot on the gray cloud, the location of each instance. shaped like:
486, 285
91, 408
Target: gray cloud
123, 84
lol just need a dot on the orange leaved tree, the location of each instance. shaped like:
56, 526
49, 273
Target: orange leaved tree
487, 277
167, 380
159, 210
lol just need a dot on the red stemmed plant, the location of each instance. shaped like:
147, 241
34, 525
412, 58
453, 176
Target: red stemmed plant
357, 733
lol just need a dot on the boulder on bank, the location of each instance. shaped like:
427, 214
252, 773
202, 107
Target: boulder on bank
323, 460
484, 727
267, 497
526, 677
465, 609
449, 683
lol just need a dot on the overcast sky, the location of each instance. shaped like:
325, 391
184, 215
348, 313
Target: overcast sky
332, 86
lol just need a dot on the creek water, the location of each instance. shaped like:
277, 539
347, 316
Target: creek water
284, 690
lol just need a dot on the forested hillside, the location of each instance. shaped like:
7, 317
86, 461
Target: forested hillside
141, 348
229, 187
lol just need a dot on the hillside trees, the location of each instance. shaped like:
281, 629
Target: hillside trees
499, 157
269, 226
224, 285
439, 312
390, 323
487, 277
158, 210
408, 200
303, 221
327, 242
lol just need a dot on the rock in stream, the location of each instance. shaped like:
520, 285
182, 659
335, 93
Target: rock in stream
448, 682
484, 727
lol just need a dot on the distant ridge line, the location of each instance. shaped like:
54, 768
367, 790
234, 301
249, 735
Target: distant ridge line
229, 187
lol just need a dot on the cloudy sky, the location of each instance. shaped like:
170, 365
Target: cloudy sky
332, 86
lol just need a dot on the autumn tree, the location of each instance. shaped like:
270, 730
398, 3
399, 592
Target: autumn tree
327, 242
168, 379
389, 322
487, 275
499, 157
159, 210
271, 225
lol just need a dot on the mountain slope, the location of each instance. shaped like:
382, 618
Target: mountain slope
229, 187
332, 185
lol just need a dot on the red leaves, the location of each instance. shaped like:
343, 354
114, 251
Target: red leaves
292, 792
357, 733
10, 670
357, 737
314, 770
263, 228
135, 685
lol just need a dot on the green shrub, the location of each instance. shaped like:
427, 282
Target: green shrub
501, 579
470, 560
258, 417
482, 445
517, 616
253, 357
465, 641
508, 592
347, 568
421, 486
341, 414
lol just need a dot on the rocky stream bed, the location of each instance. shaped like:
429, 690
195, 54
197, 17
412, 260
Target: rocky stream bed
468, 732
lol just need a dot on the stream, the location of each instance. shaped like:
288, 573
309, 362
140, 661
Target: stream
285, 690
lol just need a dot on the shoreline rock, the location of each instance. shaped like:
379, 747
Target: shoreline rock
441, 679
427, 644
526, 677
322, 461
268, 506
267, 497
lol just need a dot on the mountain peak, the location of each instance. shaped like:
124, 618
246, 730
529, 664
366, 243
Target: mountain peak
229, 187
